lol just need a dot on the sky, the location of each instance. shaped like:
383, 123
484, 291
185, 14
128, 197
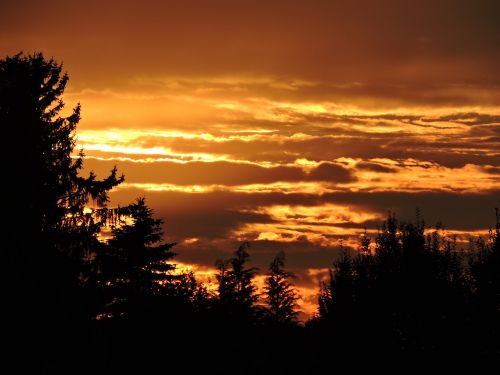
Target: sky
293, 125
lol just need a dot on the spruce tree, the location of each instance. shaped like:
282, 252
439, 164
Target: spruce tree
237, 293
280, 296
46, 192
136, 263
337, 293
48, 234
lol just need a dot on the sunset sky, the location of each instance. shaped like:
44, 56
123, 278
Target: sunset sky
290, 124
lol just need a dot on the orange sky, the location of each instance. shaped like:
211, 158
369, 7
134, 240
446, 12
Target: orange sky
292, 124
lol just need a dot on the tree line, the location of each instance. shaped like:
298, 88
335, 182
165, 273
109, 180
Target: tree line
76, 303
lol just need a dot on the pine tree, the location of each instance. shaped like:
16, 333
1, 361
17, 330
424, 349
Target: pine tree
48, 236
46, 192
136, 264
237, 293
337, 294
280, 296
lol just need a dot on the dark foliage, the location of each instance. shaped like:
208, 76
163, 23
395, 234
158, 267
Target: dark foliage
38, 155
48, 236
135, 263
414, 297
280, 297
484, 276
237, 294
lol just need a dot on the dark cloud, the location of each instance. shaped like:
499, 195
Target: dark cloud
397, 43
215, 214
492, 170
454, 210
393, 120
470, 118
375, 167
300, 254
331, 173
219, 173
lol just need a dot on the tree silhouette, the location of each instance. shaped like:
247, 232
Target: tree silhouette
409, 297
147, 310
280, 296
48, 235
39, 154
337, 294
136, 263
484, 269
237, 294
187, 290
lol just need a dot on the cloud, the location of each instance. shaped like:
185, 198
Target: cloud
331, 173
220, 172
375, 167
280, 132
492, 170
218, 214
396, 45
454, 210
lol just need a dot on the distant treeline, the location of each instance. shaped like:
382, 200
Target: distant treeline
73, 303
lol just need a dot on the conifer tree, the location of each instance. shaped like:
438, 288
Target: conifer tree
49, 235
280, 296
237, 293
46, 191
336, 295
136, 264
